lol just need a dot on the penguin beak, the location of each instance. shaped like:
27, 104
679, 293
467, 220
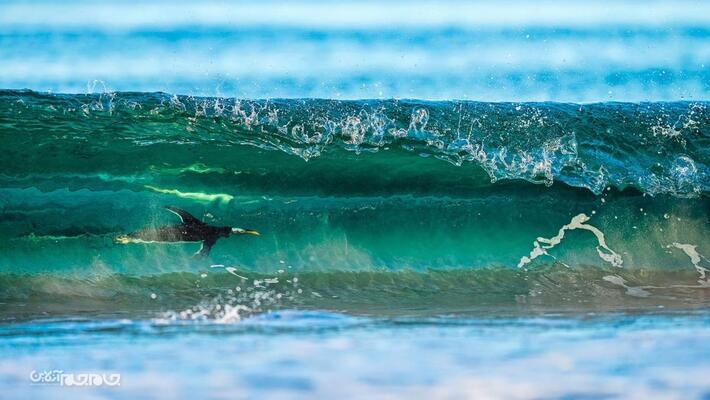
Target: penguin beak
240, 231
123, 239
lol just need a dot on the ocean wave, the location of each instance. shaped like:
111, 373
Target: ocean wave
368, 206
657, 148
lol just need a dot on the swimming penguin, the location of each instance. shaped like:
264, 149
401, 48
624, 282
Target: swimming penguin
191, 230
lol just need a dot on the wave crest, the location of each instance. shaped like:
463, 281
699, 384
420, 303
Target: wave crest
658, 148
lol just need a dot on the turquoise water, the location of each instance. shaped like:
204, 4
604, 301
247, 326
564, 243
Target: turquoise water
465, 201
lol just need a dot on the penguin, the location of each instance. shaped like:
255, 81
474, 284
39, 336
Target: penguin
190, 230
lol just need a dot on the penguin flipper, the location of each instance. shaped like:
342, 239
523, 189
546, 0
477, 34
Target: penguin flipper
204, 251
185, 216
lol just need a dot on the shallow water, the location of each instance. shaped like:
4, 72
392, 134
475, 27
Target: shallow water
297, 354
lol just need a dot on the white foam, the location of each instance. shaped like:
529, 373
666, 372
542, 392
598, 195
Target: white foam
695, 258
541, 245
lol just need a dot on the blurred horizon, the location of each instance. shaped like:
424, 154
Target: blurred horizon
510, 51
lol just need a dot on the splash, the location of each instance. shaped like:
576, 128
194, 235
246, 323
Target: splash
657, 146
244, 299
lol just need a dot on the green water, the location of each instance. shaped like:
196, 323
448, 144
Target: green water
386, 206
